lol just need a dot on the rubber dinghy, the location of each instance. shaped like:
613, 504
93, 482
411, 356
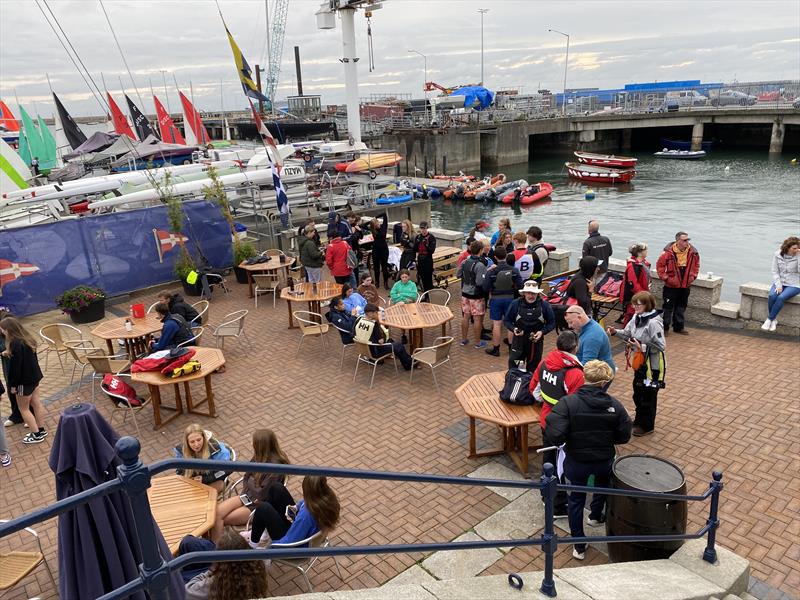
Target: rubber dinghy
498, 191
681, 154
532, 193
393, 199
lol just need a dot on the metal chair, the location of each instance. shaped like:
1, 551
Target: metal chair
365, 356
266, 283
16, 565
105, 365
54, 337
433, 356
215, 280
80, 350
303, 565
201, 307
152, 307
121, 403
232, 326
195, 339
435, 296
312, 324
272, 252
345, 345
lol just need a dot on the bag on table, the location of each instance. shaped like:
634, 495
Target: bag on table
517, 387
175, 363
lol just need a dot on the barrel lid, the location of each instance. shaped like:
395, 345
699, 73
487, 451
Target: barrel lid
648, 473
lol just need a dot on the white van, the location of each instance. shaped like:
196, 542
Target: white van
686, 98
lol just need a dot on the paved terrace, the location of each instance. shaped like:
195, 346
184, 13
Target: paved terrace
731, 403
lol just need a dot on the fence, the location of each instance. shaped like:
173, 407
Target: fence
133, 477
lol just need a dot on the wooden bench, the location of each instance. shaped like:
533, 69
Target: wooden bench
445, 266
479, 398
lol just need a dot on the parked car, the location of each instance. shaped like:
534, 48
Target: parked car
769, 96
687, 98
796, 103
733, 97
669, 105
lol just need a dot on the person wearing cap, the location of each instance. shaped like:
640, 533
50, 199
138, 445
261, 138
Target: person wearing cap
528, 320
589, 423
478, 232
677, 267
425, 246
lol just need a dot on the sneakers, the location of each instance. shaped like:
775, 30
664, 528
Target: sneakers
639, 432
262, 542
481, 344
682, 332
578, 554
560, 513
5, 460
463, 342
773, 325
594, 522
34, 437
493, 351
9, 423
767, 325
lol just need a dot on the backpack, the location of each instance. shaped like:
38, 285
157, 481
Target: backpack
517, 387
504, 281
352, 259
116, 387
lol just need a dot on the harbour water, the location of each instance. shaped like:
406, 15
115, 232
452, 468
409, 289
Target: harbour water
736, 216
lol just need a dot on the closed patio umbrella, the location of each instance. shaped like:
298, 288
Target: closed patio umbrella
98, 549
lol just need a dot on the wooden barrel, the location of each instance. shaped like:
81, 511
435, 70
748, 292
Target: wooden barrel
645, 516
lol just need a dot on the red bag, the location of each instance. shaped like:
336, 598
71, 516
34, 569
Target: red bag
181, 360
119, 390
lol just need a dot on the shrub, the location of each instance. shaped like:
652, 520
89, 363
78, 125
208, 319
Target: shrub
78, 298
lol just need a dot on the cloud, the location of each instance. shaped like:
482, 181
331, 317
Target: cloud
685, 63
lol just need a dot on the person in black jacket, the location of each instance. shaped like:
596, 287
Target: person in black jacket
424, 247
582, 283
178, 306
598, 246
341, 319
589, 423
380, 249
24, 376
404, 236
15, 418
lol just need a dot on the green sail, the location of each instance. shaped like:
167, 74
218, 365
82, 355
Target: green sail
31, 132
49, 160
24, 148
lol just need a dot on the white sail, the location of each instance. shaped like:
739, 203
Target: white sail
13, 170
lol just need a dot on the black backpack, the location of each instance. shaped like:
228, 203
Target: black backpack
517, 388
504, 282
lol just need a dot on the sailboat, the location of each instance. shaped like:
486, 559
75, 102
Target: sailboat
119, 120
33, 145
195, 130
50, 159
9, 126
169, 132
140, 122
14, 173
68, 135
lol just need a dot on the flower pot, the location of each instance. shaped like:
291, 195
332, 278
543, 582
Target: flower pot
192, 289
94, 311
241, 274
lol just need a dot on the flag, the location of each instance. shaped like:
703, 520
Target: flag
73, 133
266, 136
169, 133
9, 271
243, 69
280, 195
166, 241
121, 124
140, 122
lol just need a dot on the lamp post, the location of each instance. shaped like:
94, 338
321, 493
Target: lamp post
566, 63
483, 11
424, 83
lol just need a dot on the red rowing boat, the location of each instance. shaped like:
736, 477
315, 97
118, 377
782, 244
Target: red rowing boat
606, 160
597, 174
529, 196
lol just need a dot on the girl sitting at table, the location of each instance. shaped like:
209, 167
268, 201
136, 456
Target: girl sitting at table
368, 289
199, 443
236, 510
281, 520
404, 291
354, 302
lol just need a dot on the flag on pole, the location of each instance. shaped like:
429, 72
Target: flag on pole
9, 271
269, 144
166, 241
266, 137
280, 195
243, 69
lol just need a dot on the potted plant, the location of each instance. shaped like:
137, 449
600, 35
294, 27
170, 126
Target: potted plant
242, 250
184, 263
83, 303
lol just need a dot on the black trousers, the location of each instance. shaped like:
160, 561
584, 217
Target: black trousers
675, 302
425, 272
406, 258
380, 264
578, 473
399, 351
645, 399
522, 348
271, 514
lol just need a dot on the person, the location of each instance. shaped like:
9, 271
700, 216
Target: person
24, 376
336, 225
505, 241
404, 235
354, 302
560, 373
199, 443
594, 343
503, 225
301, 231
15, 418
523, 259
645, 334
336, 259
472, 273
589, 423
286, 522
311, 257
238, 580
343, 320
174, 331
368, 289
635, 279
528, 320
178, 306
539, 252
380, 249
582, 284
5, 455
785, 279
500, 283
478, 232
35, 166
368, 330
677, 267
236, 510
597, 245
424, 247
404, 290
191, 543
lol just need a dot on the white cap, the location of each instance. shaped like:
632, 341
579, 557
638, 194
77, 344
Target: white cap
531, 287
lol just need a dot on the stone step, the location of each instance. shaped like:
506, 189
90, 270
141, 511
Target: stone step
729, 310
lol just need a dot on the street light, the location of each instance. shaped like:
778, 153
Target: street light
483, 11
566, 63
425, 83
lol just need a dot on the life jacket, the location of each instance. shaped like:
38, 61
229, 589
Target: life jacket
552, 385
468, 276
525, 263
558, 291
504, 282
538, 265
529, 316
363, 330
184, 332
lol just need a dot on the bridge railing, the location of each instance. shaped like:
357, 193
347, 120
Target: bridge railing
133, 478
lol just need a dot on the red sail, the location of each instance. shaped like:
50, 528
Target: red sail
121, 124
169, 133
7, 119
193, 123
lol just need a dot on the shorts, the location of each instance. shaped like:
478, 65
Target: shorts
473, 306
26, 389
498, 307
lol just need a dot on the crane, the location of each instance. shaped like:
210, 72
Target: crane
275, 46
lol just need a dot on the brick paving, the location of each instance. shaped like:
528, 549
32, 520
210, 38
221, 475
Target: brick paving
731, 404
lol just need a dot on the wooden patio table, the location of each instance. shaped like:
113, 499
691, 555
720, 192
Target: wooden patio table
181, 507
136, 339
273, 264
305, 292
414, 318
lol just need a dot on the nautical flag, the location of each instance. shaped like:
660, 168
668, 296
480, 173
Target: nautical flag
243, 69
266, 136
280, 195
9, 271
166, 241
121, 124
140, 122
73, 133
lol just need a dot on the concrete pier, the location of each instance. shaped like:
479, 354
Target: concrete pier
776, 138
697, 136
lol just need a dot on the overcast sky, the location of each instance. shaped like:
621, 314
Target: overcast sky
612, 43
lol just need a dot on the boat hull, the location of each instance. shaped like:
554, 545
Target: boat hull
596, 174
683, 145
371, 161
681, 154
545, 189
606, 160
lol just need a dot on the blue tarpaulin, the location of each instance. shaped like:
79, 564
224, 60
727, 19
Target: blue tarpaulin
117, 252
476, 95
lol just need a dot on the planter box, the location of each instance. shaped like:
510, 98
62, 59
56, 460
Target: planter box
195, 289
241, 275
94, 312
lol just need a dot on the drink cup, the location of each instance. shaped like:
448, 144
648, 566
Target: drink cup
710, 274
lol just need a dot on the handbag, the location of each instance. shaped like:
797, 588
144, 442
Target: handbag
634, 359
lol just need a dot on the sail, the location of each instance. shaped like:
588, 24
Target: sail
75, 137
121, 124
35, 145
140, 122
169, 133
49, 159
13, 172
7, 118
196, 134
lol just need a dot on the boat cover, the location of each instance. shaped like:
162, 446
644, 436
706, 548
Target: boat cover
475, 96
100, 140
153, 147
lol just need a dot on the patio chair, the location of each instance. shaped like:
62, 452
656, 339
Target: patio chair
304, 565
272, 252
197, 333
266, 283
80, 350
365, 356
201, 307
433, 356
435, 296
54, 337
232, 326
105, 365
121, 404
312, 324
152, 307
215, 280
16, 565
345, 345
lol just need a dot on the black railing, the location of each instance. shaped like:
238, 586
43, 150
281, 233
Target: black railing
134, 479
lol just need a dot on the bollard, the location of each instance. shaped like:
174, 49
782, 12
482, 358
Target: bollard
549, 537
710, 553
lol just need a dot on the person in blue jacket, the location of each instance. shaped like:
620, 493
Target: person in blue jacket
593, 343
354, 302
343, 320
528, 319
285, 522
174, 331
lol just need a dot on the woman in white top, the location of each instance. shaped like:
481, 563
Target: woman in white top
785, 279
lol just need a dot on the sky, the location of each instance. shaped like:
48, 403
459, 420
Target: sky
611, 44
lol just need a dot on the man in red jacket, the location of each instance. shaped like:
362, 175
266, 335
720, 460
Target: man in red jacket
677, 267
336, 259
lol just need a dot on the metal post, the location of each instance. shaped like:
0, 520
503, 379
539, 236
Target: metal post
566, 64
549, 537
483, 11
710, 553
425, 83
259, 70
166, 95
136, 479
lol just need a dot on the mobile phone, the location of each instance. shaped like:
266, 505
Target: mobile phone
245, 499
291, 513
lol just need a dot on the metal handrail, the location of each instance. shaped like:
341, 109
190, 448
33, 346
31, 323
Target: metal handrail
133, 477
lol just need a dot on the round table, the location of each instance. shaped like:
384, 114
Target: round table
136, 339
273, 264
414, 318
306, 292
